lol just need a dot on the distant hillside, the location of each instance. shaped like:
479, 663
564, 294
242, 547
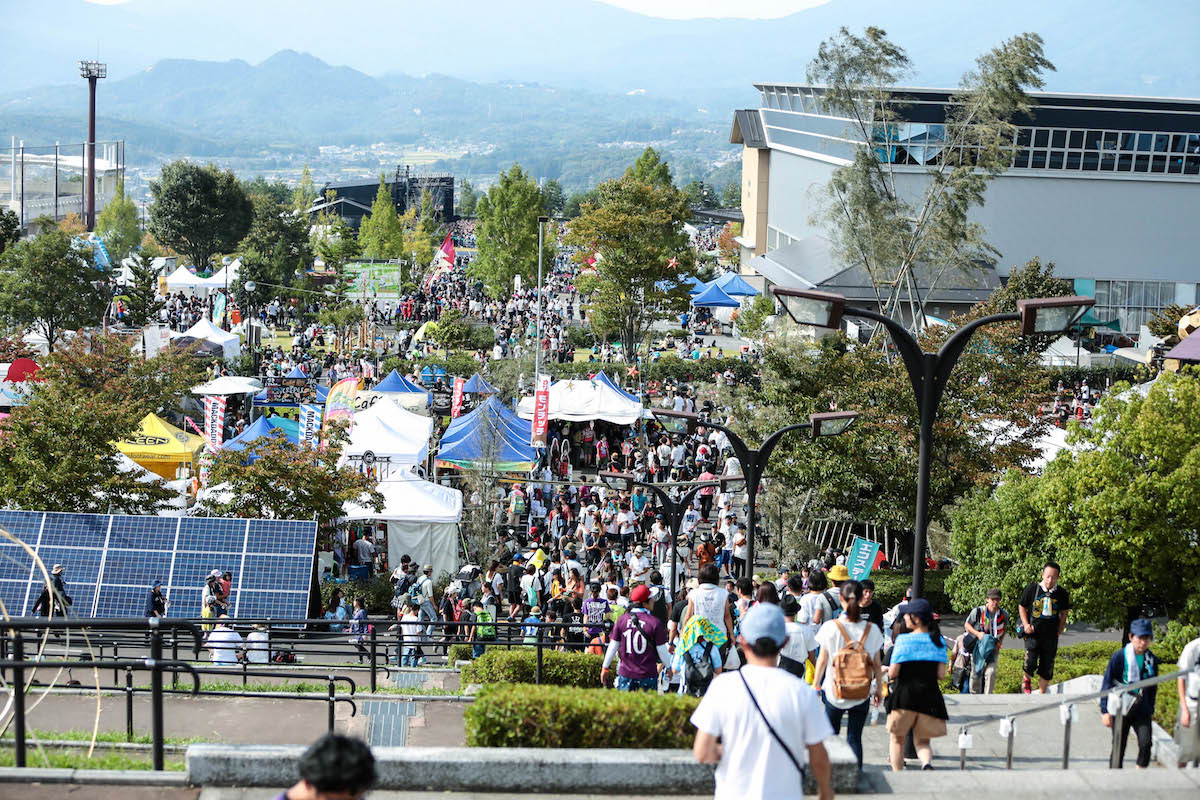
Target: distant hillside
1101, 46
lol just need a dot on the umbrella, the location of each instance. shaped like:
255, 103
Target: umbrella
22, 369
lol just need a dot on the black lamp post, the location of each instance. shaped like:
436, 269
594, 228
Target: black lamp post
929, 372
673, 509
754, 461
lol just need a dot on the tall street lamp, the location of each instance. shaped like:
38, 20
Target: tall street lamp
929, 372
673, 509
754, 461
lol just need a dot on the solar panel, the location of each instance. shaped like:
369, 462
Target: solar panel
111, 561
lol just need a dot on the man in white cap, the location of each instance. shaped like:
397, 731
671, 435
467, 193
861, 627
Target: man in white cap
639, 567
760, 725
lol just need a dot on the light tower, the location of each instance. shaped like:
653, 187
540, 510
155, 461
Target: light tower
93, 71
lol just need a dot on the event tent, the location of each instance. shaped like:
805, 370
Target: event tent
398, 388
227, 385
732, 284
499, 415
385, 444
477, 385
584, 401
183, 278
265, 426
422, 520
1061, 352
609, 382
161, 447
414, 426
490, 433
714, 297
225, 276
204, 330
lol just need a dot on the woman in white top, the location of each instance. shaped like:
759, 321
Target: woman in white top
850, 626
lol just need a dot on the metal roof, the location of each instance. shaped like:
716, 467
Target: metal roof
748, 129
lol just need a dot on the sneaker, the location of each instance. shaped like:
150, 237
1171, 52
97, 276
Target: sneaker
926, 766
1026, 686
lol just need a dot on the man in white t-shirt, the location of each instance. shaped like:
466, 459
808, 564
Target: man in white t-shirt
761, 724
1187, 726
639, 566
223, 642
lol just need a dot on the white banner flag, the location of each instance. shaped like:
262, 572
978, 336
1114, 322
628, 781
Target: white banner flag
214, 421
310, 423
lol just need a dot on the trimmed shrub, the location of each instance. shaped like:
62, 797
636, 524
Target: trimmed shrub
520, 666
891, 584
558, 716
459, 652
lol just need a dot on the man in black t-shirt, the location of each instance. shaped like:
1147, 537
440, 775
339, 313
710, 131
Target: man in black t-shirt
1043, 608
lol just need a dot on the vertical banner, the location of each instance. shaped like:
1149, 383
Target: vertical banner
541, 411
310, 423
339, 405
162, 286
456, 402
214, 421
218, 311
862, 558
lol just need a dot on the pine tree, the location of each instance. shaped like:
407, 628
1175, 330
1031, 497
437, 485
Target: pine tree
381, 234
141, 295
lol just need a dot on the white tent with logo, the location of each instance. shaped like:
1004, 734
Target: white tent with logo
414, 426
584, 401
374, 442
422, 520
231, 343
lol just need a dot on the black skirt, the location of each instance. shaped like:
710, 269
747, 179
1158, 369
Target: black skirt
916, 689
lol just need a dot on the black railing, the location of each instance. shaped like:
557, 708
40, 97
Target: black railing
144, 632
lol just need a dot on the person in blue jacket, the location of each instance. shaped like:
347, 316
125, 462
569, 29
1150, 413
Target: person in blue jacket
1132, 663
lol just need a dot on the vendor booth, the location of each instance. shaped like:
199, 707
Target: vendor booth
161, 447
422, 521
378, 448
398, 388
490, 436
204, 330
265, 426
584, 401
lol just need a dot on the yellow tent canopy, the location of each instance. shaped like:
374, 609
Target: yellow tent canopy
161, 447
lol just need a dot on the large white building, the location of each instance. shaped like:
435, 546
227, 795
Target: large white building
1106, 187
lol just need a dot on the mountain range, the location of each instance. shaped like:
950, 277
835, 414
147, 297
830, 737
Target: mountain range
568, 85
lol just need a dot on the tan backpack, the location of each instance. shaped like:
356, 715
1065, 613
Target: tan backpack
852, 671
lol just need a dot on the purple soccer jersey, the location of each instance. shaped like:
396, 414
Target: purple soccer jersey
638, 642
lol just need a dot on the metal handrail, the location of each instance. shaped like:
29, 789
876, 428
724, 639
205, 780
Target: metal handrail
1070, 702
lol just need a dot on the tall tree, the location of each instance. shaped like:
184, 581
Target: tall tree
577, 201
275, 479
507, 234
199, 211
553, 199
305, 194
1117, 508
871, 220
381, 235
50, 284
467, 198
336, 244
731, 195
57, 451
280, 235
141, 295
118, 225
637, 227
10, 228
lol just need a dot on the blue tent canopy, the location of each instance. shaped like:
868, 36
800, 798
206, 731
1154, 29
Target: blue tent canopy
477, 385
466, 441
609, 382
395, 382
714, 297
265, 426
732, 284
500, 415
432, 373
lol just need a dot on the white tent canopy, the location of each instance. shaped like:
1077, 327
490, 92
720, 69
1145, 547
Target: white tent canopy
204, 329
181, 279
414, 426
584, 401
385, 444
422, 521
228, 384
1062, 352
225, 276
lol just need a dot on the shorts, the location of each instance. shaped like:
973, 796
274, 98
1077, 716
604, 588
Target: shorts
923, 726
637, 684
1039, 656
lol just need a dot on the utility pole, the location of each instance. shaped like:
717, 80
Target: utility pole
93, 71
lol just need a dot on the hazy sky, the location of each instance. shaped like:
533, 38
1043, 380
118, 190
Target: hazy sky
687, 9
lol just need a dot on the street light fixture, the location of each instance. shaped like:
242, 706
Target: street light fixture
754, 461
928, 372
673, 509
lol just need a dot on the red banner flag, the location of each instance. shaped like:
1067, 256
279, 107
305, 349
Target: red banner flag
541, 411
456, 402
446, 251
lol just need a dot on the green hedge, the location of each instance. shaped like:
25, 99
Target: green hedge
520, 666
556, 716
459, 652
891, 584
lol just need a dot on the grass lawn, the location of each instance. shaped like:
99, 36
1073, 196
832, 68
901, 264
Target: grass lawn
57, 759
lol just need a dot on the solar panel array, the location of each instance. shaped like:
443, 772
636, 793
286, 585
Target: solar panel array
111, 561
